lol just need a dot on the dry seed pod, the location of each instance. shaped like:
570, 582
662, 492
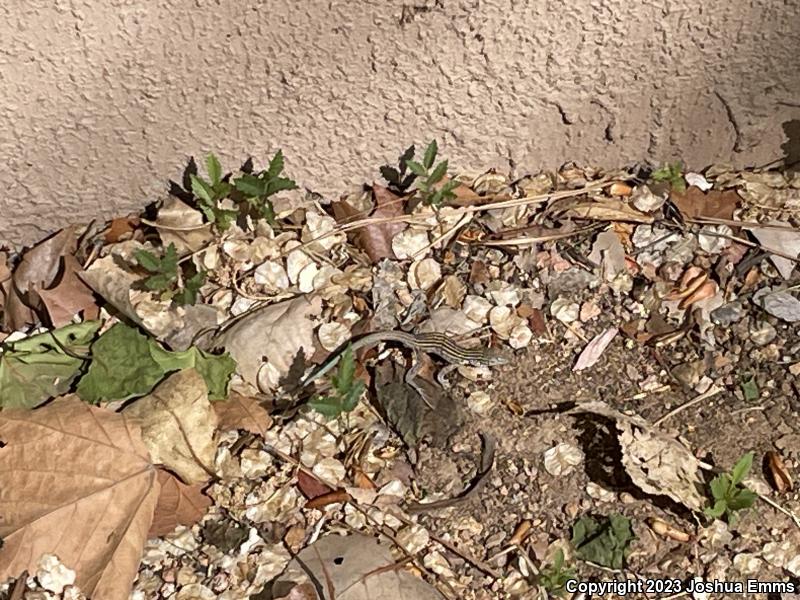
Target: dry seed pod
620, 189
520, 533
666, 530
779, 475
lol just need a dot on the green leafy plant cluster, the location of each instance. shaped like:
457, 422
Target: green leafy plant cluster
168, 277
347, 390
727, 492
671, 173
602, 542
248, 195
554, 576
428, 177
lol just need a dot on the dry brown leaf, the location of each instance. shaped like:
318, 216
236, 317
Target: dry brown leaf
121, 228
180, 224
607, 209
178, 425
271, 337
656, 463
5, 270
69, 296
242, 412
310, 486
178, 504
375, 239
355, 567
715, 204
778, 474
594, 349
37, 270
75, 481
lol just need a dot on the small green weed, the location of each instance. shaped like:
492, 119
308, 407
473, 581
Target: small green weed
399, 179
256, 189
429, 175
729, 496
554, 577
346, 389
166, 276
603, 542
673, 174
211, 192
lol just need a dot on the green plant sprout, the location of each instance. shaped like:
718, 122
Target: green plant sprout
428, 176
165, 276
346, 389
211, 192
671, 173
728, 493
554, 576
256, 189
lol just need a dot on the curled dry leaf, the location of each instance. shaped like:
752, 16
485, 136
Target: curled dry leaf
594, 349
656, 463
242, 412
101, 492
178, 425
778, 473
778, 237
695, 203
376, 238
561, 459
178, 504
180, 224
607, 209
666, 530
265, 342
69, 296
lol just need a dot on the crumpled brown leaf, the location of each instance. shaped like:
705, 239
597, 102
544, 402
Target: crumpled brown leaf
180, 224
607, 209
242, 412
778, 238
178, 504
353, 567
265, 342
178, 425
716, 204
657, 464
69, 296
101, 490
37, 270
594, 349
375, 239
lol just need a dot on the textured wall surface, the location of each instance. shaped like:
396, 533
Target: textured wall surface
101, 102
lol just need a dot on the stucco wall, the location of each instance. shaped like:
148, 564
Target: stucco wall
101, 102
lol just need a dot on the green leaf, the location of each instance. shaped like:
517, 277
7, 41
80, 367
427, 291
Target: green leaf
278, 185
743, 498
750, 389
720, 486
188, 295
275, 165
250, 185
214, 169
226, 218
35, 369
159, 282
202, 190
416, 168
147, 260
326, 406
437, 174
343, 380
449, 186
605, 543
741, 468
126, 364
169, 263
430, 154
716, 511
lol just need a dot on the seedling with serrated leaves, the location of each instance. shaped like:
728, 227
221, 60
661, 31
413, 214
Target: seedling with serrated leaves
346, 389
166, 276
727, 492
554, 576
671, 173
256, 189
211, 192
400, 179
429, 176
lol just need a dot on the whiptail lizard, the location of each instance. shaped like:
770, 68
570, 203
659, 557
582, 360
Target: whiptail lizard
428, 343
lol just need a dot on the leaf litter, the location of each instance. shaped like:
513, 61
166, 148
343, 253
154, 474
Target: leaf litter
279, 278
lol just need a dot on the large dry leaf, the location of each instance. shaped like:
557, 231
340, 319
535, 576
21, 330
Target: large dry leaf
178, 425
375, 239
180, 224
695, 203
242, 412
607, 209
69, 296
355, 567
178, 504
75, 481
37, 270
265, 342
657, 464
786, 241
